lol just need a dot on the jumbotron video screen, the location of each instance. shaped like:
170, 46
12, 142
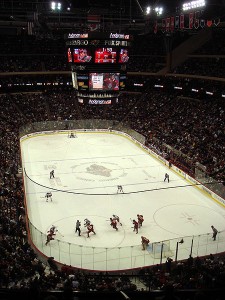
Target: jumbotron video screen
98, 61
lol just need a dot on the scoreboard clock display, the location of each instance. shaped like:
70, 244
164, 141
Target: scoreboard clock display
105, 55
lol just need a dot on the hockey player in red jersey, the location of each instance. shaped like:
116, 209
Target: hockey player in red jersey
117, 218
49, 238
51, 232
140, 220
144, 242
113, 223
90, 229
135, 223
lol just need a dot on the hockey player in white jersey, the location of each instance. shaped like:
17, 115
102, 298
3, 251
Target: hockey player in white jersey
119, 189
86, 222
52, 174
48, 196
167, 178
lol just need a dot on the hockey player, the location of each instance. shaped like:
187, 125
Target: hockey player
50, 236
119, 189
167, 177
90, 229
113, 223
48, 196
86, 222
144, 242
78, 224
53, 229
72, 135
117, 218
135, 223
52, 174
215, 231
140, 220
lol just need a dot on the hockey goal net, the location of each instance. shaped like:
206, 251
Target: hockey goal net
160, 249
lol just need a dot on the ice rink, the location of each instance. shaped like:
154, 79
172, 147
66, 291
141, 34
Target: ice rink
87, 171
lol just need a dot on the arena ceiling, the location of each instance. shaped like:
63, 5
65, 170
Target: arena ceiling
115, 15
137, 7
128, 8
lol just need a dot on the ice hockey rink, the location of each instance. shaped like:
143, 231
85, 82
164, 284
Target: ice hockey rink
88, 169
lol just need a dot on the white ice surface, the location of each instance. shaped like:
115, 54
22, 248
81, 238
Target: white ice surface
87, 171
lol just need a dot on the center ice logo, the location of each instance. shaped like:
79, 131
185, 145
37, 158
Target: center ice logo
99, 170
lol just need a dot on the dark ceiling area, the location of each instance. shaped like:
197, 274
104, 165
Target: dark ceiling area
113, 15
128, 8
124, 7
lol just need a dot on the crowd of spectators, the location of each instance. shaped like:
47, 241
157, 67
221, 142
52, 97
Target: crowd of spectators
210, 59
203, 66
151, 44
215, 45
53, 62
146, 63
194, 273
30, 45
33, 63
18, 63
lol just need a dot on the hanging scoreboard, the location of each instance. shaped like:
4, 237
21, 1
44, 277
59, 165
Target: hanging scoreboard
98, 62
